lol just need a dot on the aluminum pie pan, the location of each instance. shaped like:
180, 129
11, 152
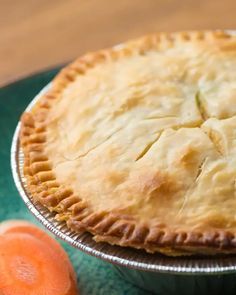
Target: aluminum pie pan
126, 257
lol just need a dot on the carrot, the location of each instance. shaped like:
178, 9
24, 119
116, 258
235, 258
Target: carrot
32, 263
13, 225
22, 226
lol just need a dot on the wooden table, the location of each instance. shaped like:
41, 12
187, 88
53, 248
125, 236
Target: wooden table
38, 34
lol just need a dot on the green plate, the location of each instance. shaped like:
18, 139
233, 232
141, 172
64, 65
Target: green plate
95, 277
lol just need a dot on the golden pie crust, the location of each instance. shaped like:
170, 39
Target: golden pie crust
137, 144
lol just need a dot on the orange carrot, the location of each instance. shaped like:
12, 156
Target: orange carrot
33, 263
13, 225
22, 226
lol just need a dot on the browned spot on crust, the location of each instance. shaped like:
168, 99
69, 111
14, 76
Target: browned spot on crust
153, 183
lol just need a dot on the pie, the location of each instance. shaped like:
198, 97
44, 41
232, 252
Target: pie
137, 144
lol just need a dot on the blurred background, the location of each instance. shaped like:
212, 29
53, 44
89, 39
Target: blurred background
40, 34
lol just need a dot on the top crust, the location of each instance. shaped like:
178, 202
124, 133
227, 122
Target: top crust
137, 144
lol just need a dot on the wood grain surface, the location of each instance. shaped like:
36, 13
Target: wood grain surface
38, 34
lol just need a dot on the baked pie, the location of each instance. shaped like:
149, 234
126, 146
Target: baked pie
137, 144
